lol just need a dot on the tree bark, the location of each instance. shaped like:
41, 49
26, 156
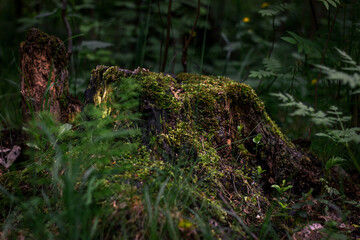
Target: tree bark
215, 118
44, 77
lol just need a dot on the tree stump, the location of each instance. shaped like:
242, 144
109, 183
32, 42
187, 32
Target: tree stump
44, 76
221, 122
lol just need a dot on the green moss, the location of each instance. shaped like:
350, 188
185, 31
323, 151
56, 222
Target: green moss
36, 39
276, 129
198, 115
192, 104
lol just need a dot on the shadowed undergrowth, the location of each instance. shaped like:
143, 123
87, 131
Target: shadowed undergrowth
113, 173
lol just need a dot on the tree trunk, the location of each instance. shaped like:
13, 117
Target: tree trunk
44, 76
222, 122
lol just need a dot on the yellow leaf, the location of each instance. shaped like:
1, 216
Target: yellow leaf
185, 224
264, 4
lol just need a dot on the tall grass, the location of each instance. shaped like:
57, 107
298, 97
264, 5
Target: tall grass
67, 165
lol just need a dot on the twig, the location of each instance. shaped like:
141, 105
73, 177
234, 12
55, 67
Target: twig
11, 157
68, 28
313, 13
187, 40
323, 56
232, 213
273, 40
322, 62
162, 35
267, 87
167, 36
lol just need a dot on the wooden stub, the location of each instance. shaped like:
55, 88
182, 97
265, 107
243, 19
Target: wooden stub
44, 74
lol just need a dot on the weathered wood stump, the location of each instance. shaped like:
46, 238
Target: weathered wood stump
44, 76
222, 122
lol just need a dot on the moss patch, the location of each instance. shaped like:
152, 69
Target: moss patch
200, 141
199, 116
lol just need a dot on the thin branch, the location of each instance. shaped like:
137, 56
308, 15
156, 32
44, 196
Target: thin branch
232, 213
162, 35
274, 36
11, 157
68, 28
323, 56
187, 40
322, 62
167, 36
313, 13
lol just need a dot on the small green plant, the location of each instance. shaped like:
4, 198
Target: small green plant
259, 172
327, 188
282, 188
257, 141
282, 199
239, 129
333, 162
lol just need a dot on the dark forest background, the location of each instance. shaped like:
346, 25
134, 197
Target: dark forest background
273, 46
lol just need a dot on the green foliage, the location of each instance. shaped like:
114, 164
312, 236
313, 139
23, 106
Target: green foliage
333, 117
90, 159
304, 45
352, 79
282, 199
332, 162
259, 172
272, 68
282, 188
73, 164
326, 3
257, 139
274, 10
261, 74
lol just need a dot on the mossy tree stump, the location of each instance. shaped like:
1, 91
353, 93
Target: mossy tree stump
44, 76
222, 123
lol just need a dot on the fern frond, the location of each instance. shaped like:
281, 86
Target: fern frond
261, 74
320, 118
327, 3
352, 80
283, 97
304, 45
272, 65
343, 136
274, 10
272, 68
346, 58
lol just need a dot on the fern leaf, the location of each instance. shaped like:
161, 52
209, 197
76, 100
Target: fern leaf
274, 10
333, 3
346, 58
261, 74
352, 80
283, 97
272, 65
268, 12
356, 92
289, 40
304, 45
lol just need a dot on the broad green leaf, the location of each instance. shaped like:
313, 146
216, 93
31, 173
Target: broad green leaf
289, 40
257, 139
64, 128
46, 14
